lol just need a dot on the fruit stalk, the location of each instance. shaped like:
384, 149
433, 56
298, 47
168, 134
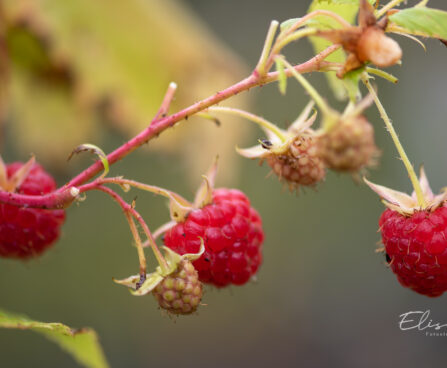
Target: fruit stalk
252, 117
128, 209
261, 67
411, 173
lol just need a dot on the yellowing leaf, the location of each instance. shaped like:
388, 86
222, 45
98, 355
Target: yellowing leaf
82, 344
115, 57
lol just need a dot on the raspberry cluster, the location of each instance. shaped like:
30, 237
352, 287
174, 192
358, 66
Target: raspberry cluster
232, 234
27, 232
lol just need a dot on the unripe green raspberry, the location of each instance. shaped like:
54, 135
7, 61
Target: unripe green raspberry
349, 145
181, 291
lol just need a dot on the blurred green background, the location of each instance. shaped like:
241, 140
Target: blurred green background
323, 297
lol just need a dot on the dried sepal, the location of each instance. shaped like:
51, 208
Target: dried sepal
252, 152
405, 204
275, 146
204, 194
393, 197
425, 185
304, 122
366, 17
3, 173
16, 180
178, 208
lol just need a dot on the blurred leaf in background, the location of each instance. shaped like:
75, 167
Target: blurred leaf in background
76, 63
3, 70
82, 344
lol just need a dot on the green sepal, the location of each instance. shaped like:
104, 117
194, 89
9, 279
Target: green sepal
351, 82
172, 258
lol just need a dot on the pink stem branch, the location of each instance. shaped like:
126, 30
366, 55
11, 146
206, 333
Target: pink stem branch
127, 208
62, 198
64, 195
169, 96
157, 126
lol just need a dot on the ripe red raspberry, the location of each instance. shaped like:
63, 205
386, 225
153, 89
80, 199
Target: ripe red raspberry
232, 233
27, 232
349, 145
416, 248
181, 291
300, 164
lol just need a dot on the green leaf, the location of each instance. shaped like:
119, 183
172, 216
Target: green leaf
76, 64
282, 80
422, 21
347, 9
82, 344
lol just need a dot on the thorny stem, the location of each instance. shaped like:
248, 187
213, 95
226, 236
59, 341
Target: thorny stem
387, 7
63, 196
252, 117
128, 209
260, 68
411, 173
169, 96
